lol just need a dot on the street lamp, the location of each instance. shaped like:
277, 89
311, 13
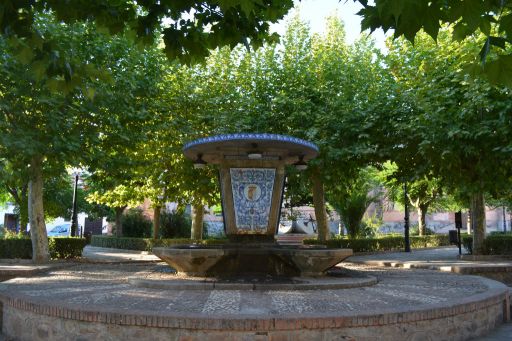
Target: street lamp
406, 220
74, 213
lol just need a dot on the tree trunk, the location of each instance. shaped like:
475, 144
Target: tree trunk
478, 222
24, 210
319, 204
422, 219
197, 221
40, 252
156, 221
119, 223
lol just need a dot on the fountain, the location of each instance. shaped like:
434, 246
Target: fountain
252, 173
135, 301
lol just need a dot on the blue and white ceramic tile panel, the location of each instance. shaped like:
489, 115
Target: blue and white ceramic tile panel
250, 136
252, 197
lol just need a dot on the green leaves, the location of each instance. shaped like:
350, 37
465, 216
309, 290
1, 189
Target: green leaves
468, 18
500, 70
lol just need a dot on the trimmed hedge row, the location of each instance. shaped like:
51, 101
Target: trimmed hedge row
66, 247
494, 244
16, 248
146, 244
385, 243
59, 247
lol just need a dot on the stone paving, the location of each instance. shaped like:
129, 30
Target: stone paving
88, 285
105, 288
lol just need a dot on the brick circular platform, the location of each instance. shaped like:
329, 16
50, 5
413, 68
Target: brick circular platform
96, 302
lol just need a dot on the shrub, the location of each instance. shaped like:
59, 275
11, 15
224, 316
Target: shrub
16, 248
498, 244
415, 231
135, 224
175, 224
467, 242
385, 243
147, 244
59, 247
121, 243
66, 247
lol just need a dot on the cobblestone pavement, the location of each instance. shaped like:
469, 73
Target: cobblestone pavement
444, 259
92, 285
502, 333
88, 285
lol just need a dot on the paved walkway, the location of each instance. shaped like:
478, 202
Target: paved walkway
443, 259
100, 254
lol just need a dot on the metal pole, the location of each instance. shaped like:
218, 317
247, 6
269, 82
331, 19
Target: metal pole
458, 226
74, 217
406, 220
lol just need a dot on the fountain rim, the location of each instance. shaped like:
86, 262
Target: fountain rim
250, 137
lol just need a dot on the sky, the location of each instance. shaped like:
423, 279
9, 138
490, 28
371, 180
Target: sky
316, 11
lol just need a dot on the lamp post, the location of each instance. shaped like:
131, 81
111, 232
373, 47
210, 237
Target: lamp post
74, 213
406, 221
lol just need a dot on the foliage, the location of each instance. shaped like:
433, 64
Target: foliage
352, 198
195, 28
175, 224
15, 248
66, 247
8, 234
498, 244
147, 244
490, 19
136, 224
369, 226
415, 231
384, 243
60, 247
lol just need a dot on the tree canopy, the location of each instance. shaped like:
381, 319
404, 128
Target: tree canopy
488, 22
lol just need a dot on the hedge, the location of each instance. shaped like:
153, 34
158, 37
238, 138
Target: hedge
385, 243
66, 247
16, 248
497, 244
59, 247
494, 244
146, 244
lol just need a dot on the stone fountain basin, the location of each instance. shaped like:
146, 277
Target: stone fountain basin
239, 260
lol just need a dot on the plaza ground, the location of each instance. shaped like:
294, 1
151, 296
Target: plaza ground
404, 283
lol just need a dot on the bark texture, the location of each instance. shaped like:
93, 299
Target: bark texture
40, 252
319, 203
478, 222
119, 222
156, 221
197, 221
422, 219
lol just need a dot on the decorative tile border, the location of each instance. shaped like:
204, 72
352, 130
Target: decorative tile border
250, 136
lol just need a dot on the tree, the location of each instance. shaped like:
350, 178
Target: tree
473, 18
351, 198
451, 127
50, 130
422, 193
189, 29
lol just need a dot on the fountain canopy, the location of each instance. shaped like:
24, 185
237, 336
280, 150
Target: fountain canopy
252, 177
